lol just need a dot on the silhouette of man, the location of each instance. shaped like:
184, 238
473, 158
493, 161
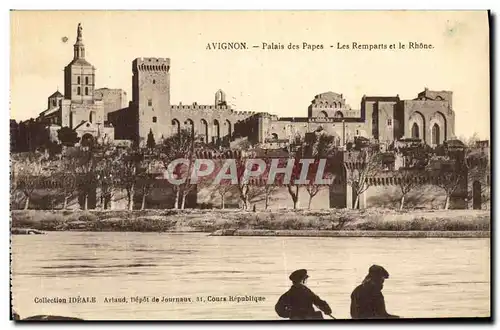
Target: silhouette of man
297, 303
367, 300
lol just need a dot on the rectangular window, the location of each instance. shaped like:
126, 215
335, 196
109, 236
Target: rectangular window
150, 102
86, 80
389, 122
154, 119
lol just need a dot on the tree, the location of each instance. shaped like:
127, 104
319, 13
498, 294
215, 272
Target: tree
407, 180
108, 170
322, 147
359, 167
67, 136
449, 180
223, 189
68, 178
151, 140
85, 169
145, 177
268, 191
29, 173
179, 146
130, 171
245, 189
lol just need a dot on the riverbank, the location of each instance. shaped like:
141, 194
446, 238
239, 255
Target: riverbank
354, 233
331, 221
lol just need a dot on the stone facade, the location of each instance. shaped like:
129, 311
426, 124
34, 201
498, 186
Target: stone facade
429, 116
81, 108
113, 99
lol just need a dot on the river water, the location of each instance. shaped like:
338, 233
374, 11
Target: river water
428, 277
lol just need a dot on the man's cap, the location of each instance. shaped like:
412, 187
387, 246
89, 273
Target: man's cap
378, 271
298, 275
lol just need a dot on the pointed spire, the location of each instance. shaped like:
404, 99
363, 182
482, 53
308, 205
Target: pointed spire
78, 47
79, 33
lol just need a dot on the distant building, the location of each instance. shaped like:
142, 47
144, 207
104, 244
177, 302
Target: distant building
105, 114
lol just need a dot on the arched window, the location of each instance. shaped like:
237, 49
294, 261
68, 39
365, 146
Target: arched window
228, 128
275, 136
54, 102
415, 131
86, 91
78, 81
176, 126
339, 114
204, 130
189, 126
436, 139
78, 91
154, 81
86, 80
323, 114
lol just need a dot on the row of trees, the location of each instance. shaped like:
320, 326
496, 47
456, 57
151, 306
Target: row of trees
85, 168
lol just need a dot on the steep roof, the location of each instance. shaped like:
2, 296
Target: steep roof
80, 62
56, 94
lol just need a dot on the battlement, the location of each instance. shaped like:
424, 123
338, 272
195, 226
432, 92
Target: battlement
244, 113
200, 107
334, 120
149, 64
294, 119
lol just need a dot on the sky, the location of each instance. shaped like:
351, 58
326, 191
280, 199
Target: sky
281, 82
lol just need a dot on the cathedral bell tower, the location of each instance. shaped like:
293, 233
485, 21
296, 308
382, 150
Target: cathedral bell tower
79, 75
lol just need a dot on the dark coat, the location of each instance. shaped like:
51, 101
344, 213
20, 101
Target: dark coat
297, 304
367, 302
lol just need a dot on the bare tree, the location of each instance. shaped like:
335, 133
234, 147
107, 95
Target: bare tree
85, 168
360, 166
407, 180
268, 191
130, 172
146, 179
68, 178
223, 190
108, 173
322, 147
292, 186
179, 146
450, 182
29, 172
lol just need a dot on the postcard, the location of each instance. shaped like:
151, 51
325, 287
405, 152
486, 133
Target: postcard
250, 165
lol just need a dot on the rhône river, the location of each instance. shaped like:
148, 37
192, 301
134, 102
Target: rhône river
428, 277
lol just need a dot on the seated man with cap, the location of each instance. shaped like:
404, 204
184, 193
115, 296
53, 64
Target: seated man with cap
367, 300
297, 303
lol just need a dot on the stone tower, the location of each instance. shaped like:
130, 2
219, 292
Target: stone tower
220, 98
79, 75
151, 97
79, 105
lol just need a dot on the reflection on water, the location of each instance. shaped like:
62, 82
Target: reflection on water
428, 277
